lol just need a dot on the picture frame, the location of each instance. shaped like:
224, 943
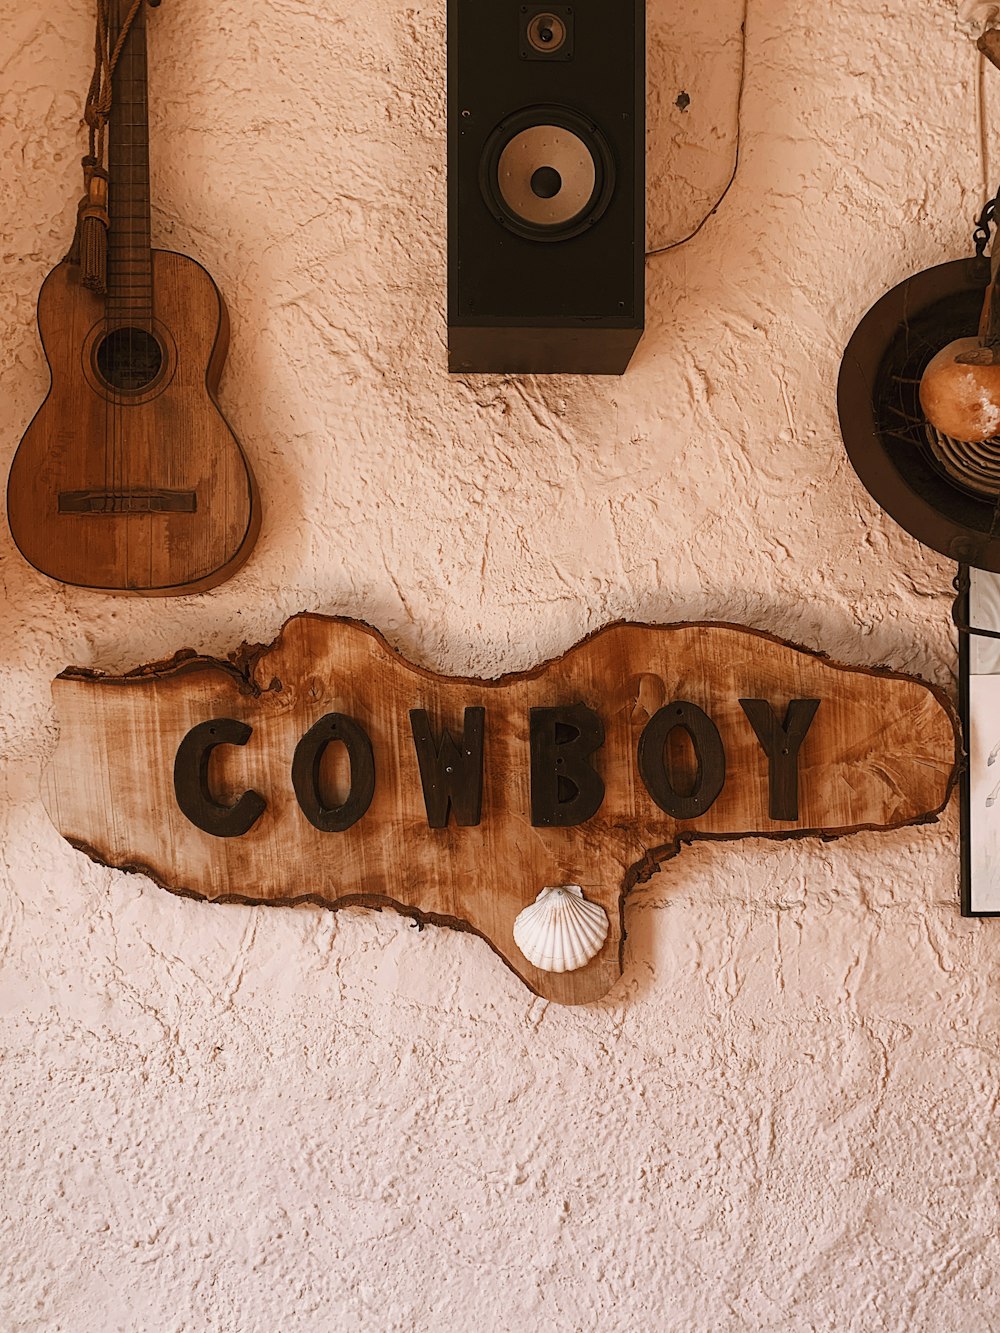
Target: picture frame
977, 617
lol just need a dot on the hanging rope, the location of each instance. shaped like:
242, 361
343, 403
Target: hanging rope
90, 240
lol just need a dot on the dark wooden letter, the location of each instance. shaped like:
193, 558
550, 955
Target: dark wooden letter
565, 789
709, 751
781, 744
191, 780
305, 772
450, 774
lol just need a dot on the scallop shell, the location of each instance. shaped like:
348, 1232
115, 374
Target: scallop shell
560, 931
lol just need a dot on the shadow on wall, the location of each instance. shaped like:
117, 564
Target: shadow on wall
694, 55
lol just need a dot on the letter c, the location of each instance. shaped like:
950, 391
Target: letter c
194, 796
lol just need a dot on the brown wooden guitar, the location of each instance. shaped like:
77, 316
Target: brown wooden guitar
129, 478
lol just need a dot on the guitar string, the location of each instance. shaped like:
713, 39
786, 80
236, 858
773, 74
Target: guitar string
139, 157
128, 307
135, 74
107, 504
99, 101
118, 293
126, 291
113, 288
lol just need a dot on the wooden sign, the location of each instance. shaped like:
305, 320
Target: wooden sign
327, 769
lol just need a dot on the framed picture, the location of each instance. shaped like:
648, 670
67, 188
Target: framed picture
978, 618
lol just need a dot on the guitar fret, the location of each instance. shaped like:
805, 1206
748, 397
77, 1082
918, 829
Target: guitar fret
169, 507
129, 256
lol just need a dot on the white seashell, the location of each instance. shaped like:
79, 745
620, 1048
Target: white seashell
560, 931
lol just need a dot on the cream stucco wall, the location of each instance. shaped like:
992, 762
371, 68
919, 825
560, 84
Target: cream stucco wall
254, 1121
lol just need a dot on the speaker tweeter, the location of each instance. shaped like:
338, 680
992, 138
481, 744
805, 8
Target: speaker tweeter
546, 34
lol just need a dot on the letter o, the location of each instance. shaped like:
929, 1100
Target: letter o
305, 772
708, 749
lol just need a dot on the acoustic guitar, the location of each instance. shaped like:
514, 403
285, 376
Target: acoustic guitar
129, 478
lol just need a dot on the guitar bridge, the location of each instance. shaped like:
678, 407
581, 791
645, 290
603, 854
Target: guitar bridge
127, 502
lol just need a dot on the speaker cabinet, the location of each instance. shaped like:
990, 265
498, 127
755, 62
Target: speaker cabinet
546, 185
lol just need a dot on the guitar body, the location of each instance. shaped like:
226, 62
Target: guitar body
129, 479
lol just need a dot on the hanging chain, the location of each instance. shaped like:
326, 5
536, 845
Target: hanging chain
981, 235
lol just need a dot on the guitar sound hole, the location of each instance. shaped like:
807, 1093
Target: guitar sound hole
129, 359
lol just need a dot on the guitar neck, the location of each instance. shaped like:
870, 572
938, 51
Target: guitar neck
130, 282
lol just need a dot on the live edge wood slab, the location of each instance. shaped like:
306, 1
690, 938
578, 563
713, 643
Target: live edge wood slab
222, 779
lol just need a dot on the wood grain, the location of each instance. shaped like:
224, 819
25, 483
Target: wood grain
880, 753
115, 486
173, 437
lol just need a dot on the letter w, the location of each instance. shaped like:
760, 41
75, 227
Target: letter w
451, 774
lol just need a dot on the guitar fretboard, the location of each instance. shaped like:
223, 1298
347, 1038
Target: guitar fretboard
130, 283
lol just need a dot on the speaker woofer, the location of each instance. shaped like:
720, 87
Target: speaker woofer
519, 303
547, 173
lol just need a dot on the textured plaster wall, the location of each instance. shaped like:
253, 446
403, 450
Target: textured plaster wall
784, 1117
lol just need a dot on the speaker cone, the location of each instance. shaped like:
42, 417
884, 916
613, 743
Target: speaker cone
547, 173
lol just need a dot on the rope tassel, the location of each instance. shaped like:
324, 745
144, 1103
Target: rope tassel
94, 223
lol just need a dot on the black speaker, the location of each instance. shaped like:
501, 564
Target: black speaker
546, 185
